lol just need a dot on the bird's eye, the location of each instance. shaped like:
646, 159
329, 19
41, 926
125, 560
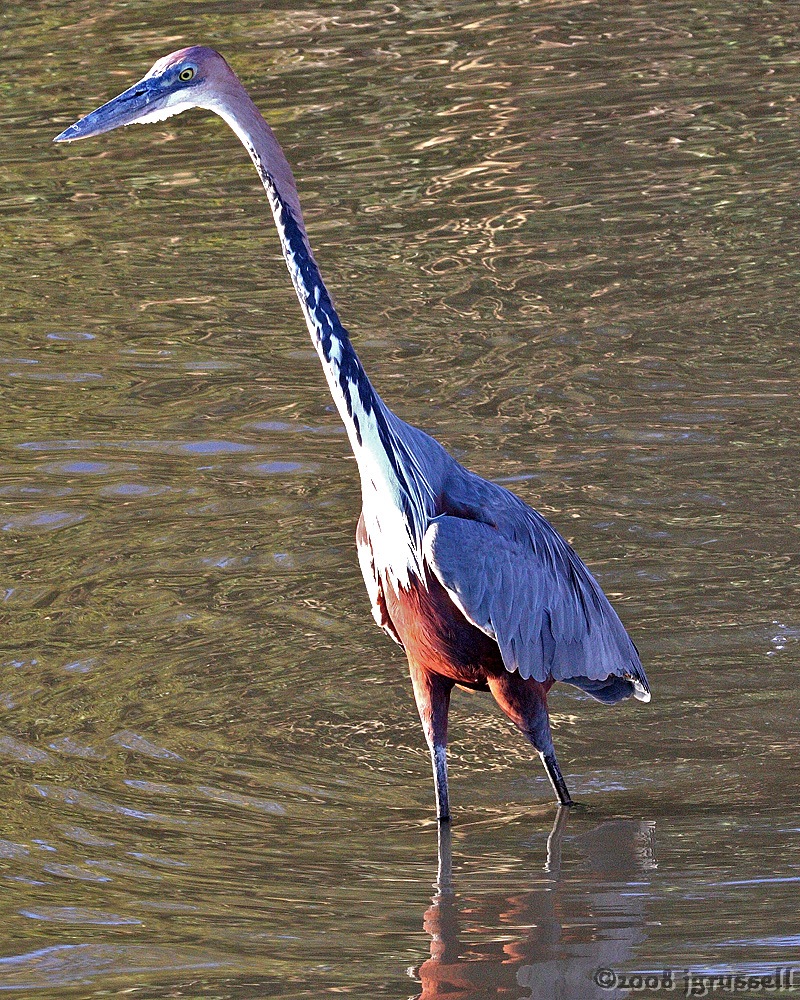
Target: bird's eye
186, 74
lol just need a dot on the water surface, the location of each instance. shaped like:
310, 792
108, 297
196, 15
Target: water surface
564, 237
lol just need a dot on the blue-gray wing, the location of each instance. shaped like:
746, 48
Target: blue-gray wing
526, 588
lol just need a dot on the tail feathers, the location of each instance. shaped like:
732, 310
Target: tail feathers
611, 689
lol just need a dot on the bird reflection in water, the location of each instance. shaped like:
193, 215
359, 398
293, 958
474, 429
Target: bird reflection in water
550, 938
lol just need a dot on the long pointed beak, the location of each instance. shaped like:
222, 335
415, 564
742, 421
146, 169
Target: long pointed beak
141, 102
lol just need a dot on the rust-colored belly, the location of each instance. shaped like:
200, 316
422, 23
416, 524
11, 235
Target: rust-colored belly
438, 638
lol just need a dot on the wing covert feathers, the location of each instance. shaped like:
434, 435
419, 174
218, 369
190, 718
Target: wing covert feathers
526, 588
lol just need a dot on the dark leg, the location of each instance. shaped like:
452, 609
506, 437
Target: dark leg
556, 778
444, 873
432, 694
525, 703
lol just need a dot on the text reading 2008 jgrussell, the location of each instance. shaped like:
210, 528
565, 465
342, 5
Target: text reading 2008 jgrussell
700, 984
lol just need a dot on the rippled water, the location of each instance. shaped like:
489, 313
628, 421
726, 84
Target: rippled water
564, 236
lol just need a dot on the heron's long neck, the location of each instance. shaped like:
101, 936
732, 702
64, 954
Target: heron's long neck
389, 471
350, 387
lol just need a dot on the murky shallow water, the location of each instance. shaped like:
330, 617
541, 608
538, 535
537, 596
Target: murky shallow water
565, 239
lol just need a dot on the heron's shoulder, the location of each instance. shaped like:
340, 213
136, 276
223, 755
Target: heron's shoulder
470, 496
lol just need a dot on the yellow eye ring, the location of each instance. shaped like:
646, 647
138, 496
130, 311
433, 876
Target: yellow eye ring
186, 74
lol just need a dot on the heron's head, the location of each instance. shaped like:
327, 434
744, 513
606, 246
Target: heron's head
188, 78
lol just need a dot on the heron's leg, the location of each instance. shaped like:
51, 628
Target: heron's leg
432, 694
525, 703
556, 778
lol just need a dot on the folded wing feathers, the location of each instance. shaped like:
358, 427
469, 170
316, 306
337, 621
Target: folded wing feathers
527, 589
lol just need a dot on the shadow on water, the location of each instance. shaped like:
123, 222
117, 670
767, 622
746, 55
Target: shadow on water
551, 938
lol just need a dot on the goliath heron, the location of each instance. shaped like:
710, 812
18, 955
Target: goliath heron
476, 587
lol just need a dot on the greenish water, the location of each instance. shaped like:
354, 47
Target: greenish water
565, 239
